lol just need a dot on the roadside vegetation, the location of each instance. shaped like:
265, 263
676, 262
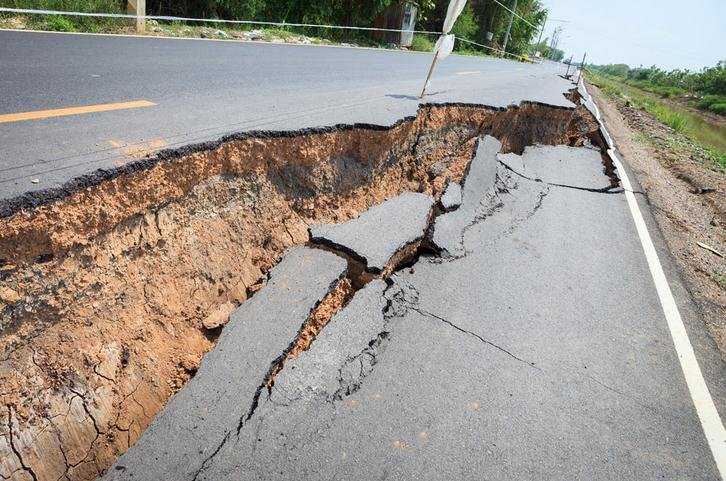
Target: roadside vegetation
693, 132
705, 89
486, 25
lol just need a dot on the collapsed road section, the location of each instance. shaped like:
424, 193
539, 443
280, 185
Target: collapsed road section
434, 366
114, 287
216, 433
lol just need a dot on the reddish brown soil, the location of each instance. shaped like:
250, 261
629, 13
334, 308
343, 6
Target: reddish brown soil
110, 297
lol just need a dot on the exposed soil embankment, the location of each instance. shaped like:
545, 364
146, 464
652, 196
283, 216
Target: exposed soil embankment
112, 289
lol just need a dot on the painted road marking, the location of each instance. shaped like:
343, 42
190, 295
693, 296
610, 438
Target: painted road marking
711, 422
469, 72
45, 114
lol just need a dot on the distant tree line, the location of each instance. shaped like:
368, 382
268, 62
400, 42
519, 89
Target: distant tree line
709, 84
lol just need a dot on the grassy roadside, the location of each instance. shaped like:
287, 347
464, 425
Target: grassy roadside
307, 35
707, 139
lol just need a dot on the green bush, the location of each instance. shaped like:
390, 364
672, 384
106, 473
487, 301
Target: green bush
466, 25
58, 23
719, 108
708, 100
422, 43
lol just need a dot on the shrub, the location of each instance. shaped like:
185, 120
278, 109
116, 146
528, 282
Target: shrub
674, 120
58, 23
719, 108
707, 100
466, 25
422, 43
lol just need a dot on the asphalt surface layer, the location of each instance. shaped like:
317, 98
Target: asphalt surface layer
205, 89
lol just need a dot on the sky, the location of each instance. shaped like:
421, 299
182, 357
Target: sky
667, 33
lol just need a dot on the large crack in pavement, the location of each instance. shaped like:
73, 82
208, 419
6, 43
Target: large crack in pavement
343, 352
177, 257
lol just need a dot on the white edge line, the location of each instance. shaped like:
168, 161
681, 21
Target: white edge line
711, 422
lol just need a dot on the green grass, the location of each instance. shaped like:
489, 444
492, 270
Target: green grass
719, 108
709, 139
59, 24
720, 278
422, 43
70, 23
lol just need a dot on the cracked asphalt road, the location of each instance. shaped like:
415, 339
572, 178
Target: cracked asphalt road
532, 346
538, 350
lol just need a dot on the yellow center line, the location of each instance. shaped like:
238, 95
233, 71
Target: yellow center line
468, 72
45, 114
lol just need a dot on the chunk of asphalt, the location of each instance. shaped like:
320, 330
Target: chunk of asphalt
452, 196
380, 232
478, 184
560, 165
348, 333
196, 421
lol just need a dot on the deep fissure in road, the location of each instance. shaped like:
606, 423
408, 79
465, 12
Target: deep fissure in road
113, 288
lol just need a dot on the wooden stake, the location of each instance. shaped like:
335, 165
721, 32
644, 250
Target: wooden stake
431, 70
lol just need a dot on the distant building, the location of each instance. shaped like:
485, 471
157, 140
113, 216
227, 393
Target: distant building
398, 16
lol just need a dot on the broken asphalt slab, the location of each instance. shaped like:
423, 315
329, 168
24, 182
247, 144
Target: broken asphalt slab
326, 367
380, 232
225, 389
479, 180
560, 165
487, 374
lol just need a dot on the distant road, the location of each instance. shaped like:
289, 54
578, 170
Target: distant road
196, 90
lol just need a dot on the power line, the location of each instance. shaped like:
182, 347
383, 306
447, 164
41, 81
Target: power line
209, 20
515, 13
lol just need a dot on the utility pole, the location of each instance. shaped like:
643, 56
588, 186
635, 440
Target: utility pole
555, 41
582, 66
509, 27
569, 62
541, 31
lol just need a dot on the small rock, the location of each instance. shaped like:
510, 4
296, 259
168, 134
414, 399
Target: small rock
221, 33
255, 35
35, 181
8, 295
452, 196
219, 317
437, 168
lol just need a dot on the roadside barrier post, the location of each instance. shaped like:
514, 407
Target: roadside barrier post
582, 66
138, 8
569, 62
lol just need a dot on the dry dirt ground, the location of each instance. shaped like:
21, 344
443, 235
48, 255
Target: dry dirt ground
688, 200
